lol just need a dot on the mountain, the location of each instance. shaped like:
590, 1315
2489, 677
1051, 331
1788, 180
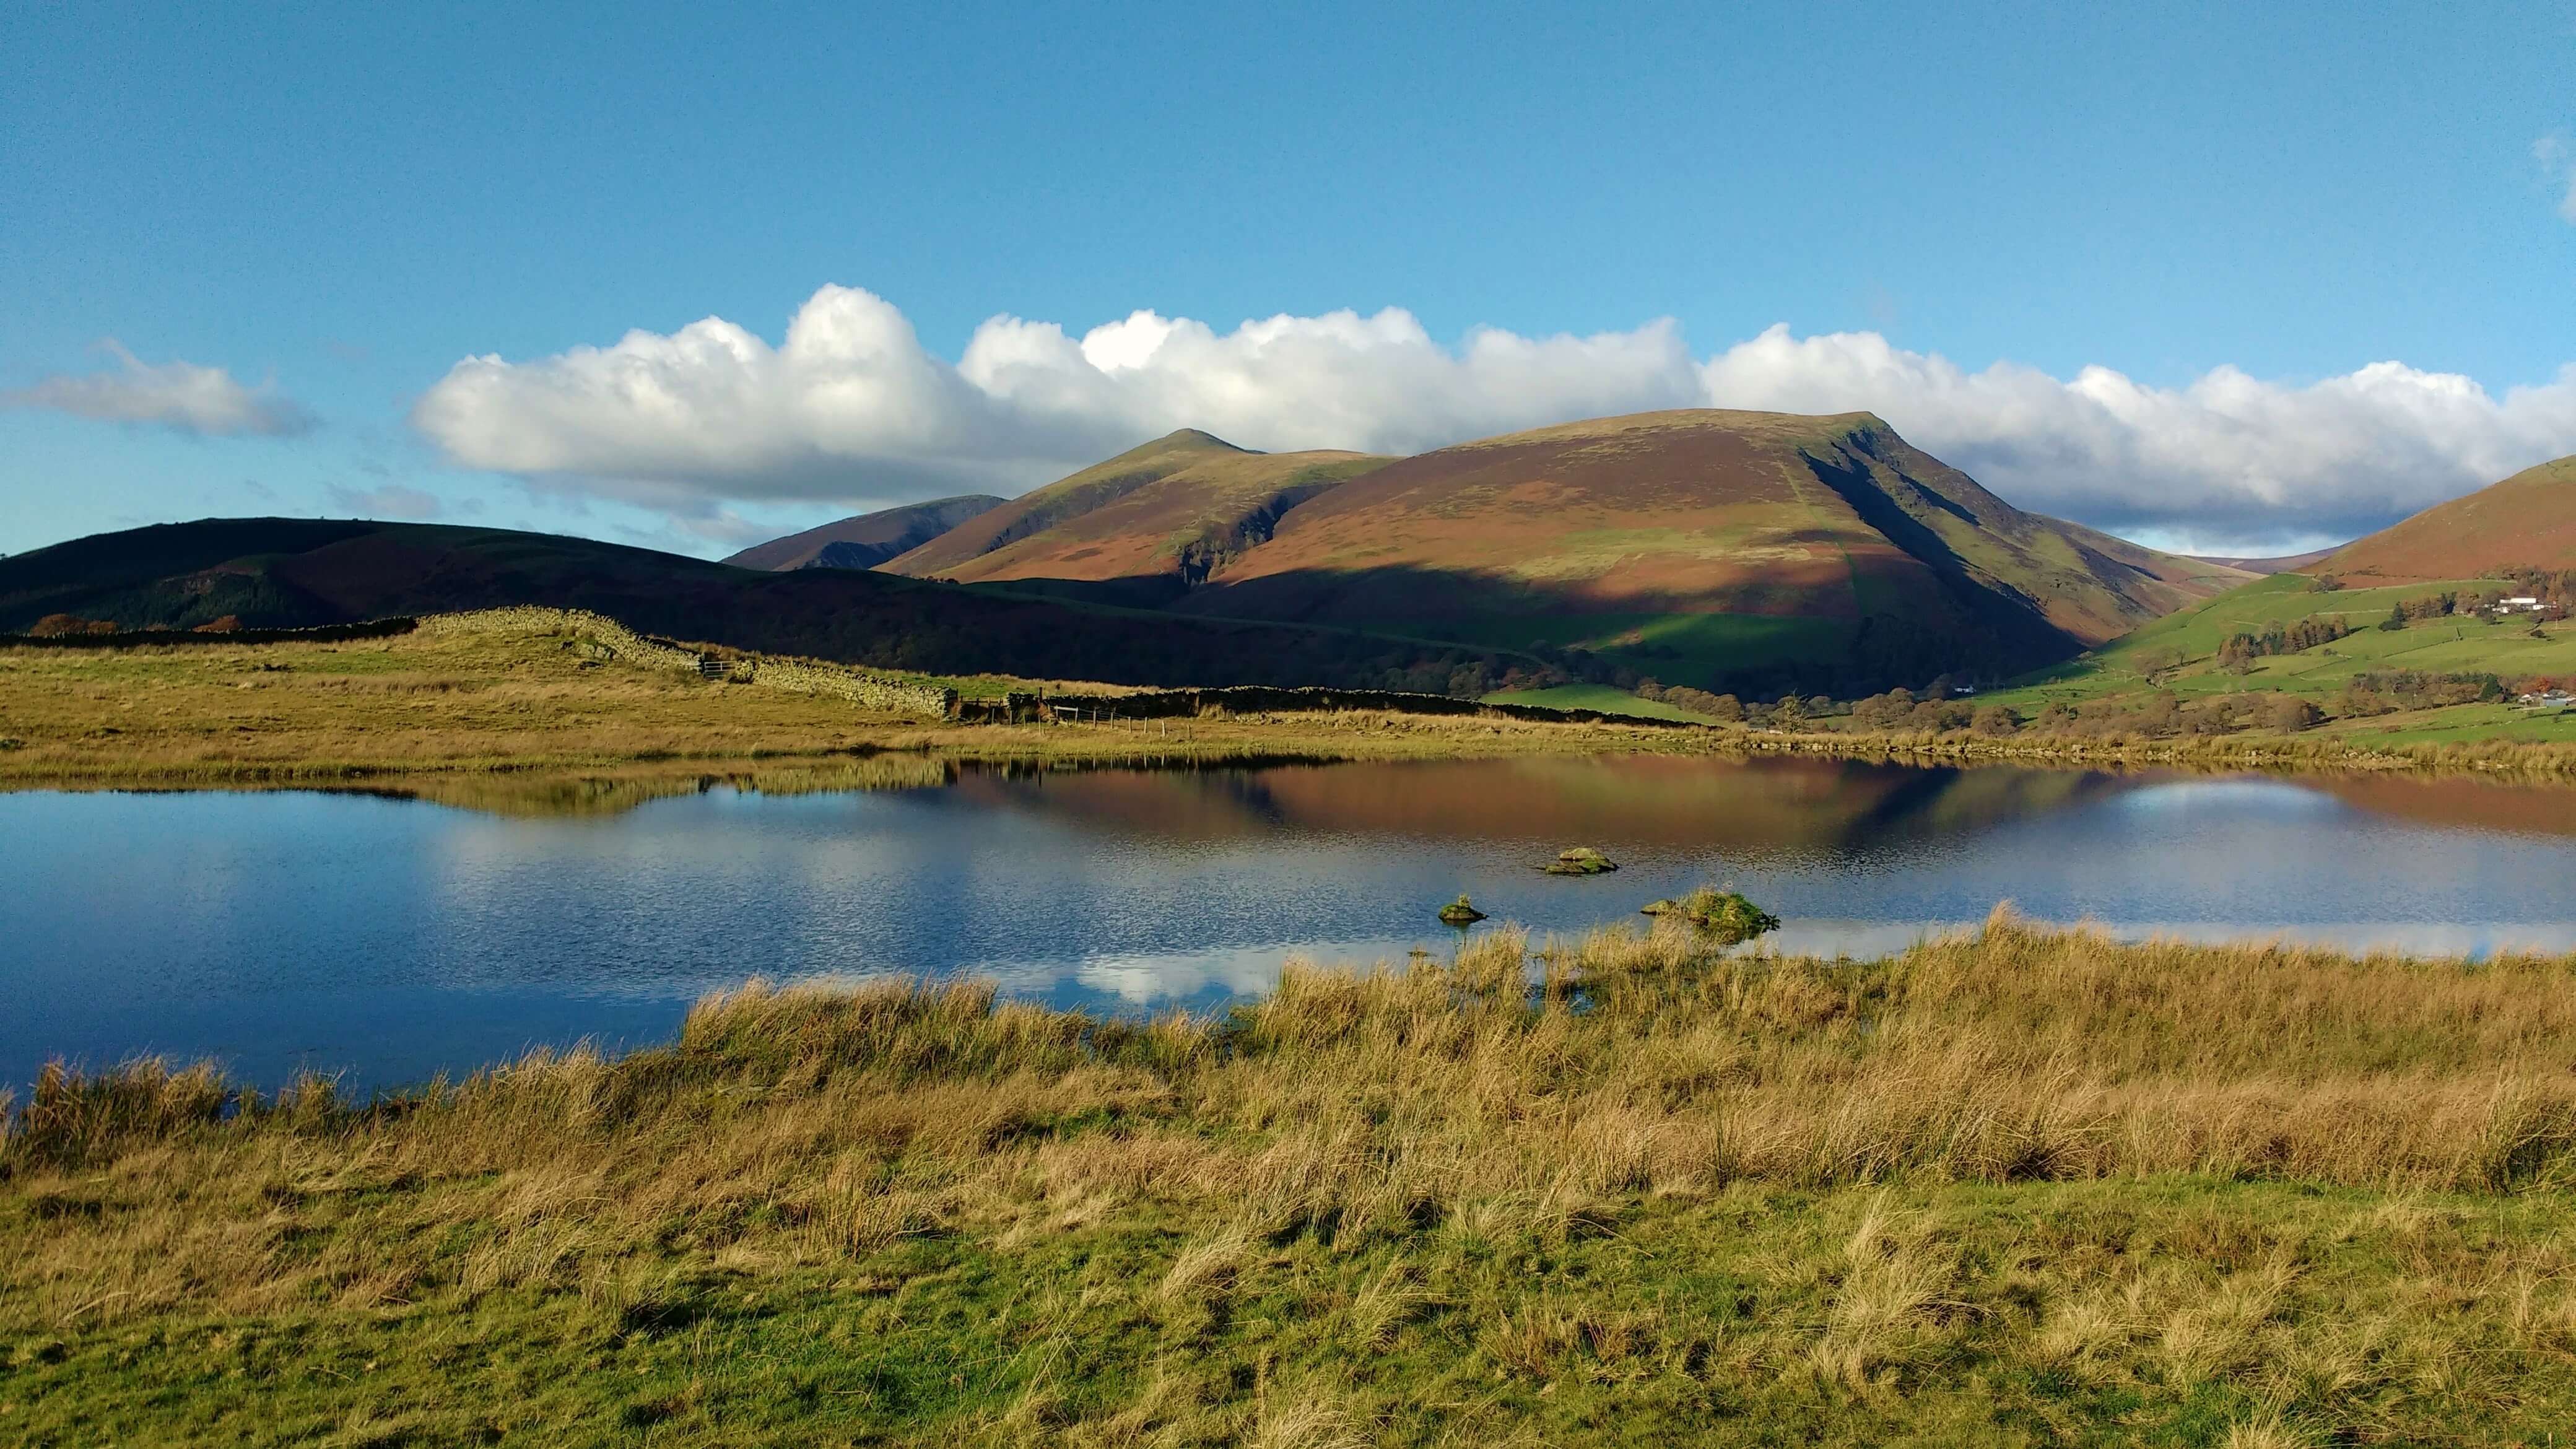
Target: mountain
2526, 521
289, 572
2290, 563
1709, 547
867, 539
1144, 526
1752, 552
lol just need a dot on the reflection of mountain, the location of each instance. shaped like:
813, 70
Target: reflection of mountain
1777, 805
2459, 803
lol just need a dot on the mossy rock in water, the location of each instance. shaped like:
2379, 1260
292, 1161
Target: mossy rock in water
1581, 860
1723, 914
1460, 913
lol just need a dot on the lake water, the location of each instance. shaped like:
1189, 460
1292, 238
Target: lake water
391, 938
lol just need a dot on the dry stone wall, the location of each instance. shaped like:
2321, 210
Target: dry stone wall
802, 676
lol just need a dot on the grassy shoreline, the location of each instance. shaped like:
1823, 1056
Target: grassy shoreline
453, 703
2012, 1186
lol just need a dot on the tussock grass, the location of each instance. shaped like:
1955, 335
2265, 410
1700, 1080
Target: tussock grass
1626, 1187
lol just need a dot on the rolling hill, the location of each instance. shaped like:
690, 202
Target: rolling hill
1729, 548
287, 573
2526, 521
1143, 527
867, 539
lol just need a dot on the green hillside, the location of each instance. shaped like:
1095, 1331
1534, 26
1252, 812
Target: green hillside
2180, 655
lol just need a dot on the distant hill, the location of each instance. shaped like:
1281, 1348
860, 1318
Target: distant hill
2285, 564
1142, 527
865, 540
1729, 551
2526, 521
288, 572
1710, 547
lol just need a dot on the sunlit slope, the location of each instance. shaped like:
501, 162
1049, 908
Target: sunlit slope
2179, 654
1706, 542
1162, 516
867, 539
2526, 521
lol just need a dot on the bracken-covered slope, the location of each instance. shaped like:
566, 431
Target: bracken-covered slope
1707, 545
2526, 521
867, 539
287, 572
1143, 526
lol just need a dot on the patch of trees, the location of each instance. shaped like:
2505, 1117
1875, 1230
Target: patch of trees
1900, 709
2238, 654
2164, 715
2554, 588
2388, 691
1697, 701
2443, 605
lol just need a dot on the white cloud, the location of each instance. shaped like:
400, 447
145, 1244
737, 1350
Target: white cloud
181, 396
2228, 458
2558, 165
850, 407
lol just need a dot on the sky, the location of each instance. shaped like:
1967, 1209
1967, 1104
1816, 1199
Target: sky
2237, 279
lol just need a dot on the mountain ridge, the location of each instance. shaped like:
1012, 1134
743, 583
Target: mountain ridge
1718, 547
864, 540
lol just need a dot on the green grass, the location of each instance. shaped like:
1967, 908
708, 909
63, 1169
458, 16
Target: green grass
2019, 1187
1686, 647
1722, 1321
1594, 696
2455, 645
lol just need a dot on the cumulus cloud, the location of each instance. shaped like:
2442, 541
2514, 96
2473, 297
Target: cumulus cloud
851, 407
181, 396
2227, 459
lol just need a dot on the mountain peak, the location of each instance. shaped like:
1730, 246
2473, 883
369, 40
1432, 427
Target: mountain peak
1193, 438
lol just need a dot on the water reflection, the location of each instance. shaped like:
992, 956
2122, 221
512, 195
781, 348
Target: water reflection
398, 937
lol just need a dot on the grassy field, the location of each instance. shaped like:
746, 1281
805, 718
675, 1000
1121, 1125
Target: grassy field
2179, 654
2193, 636
472, 708
540, 701
2018, 1187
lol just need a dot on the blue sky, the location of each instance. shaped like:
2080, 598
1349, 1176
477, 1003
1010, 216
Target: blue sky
2131, 264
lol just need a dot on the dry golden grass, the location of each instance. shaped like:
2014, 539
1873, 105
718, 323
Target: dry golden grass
464, 702
2269, 1192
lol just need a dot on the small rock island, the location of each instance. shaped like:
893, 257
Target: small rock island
1581, 860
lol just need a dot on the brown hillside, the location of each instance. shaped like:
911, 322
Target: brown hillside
868, 539
2526, 521
1709, 538
1165, 513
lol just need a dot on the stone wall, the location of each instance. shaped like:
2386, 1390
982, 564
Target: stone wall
804, 676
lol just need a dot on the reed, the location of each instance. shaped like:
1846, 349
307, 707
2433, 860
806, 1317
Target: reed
1623, 1186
